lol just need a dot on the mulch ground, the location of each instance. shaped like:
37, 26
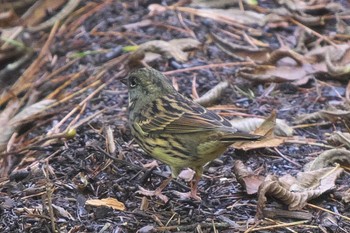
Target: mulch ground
66, 173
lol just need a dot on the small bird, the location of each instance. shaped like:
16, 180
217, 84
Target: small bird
174, 129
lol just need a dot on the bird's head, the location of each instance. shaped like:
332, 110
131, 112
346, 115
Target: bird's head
147, 84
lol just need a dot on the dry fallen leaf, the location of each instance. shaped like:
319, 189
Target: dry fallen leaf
38, 11
108, 202
230, 16
247, 178
242, 52
150, 193
266, 129
251, 124
8, 18
346, 196
339, 139
286, 65
299, 75
212, 95
187, 174
62, 212
11, 123
329, 158
331, 114
296, 192
169, 49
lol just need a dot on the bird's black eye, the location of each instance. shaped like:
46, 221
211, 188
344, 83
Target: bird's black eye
132, 81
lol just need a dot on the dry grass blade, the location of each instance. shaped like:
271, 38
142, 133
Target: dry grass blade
210, 66
11, 125
282, 225
90, 151
38, 11
26, 79
66, 10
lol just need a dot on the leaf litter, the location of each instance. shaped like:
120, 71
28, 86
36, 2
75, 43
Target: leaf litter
286, 56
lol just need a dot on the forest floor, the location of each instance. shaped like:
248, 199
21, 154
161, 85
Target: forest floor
73, 143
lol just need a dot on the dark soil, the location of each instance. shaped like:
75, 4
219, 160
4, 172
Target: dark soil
80, 168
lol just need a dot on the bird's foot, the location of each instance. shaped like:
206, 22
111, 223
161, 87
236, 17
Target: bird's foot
157, 192
188, 195
151, 193
151, 165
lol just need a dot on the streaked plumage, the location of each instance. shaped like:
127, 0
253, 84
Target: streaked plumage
173, 129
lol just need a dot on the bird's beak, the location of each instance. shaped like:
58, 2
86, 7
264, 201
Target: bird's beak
124, 80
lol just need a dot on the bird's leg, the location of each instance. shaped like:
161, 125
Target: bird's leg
158, 191
194, 188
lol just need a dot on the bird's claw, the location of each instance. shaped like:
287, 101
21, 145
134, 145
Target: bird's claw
151, 193
188, 195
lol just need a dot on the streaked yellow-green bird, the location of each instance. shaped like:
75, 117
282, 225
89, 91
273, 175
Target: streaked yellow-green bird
175, 130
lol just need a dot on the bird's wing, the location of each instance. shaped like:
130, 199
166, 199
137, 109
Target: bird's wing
177, 115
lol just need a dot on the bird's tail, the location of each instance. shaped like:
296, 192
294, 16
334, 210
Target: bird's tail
240, 136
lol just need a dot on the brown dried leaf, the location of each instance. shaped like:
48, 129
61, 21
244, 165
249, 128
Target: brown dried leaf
108, 202
334, 60
307, 12
299, 75
342, 26
187, 174
30, 111
168, 49
62, 212
247, 178
10, 123
308, 185
339, 139
241, 52
212, 95
266, 130
285, 65
310, 6
66, 10
332, 115
346, 196
8, 18
150, 193
250, 124
230, 15
329, 158
5, 116
38, 11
